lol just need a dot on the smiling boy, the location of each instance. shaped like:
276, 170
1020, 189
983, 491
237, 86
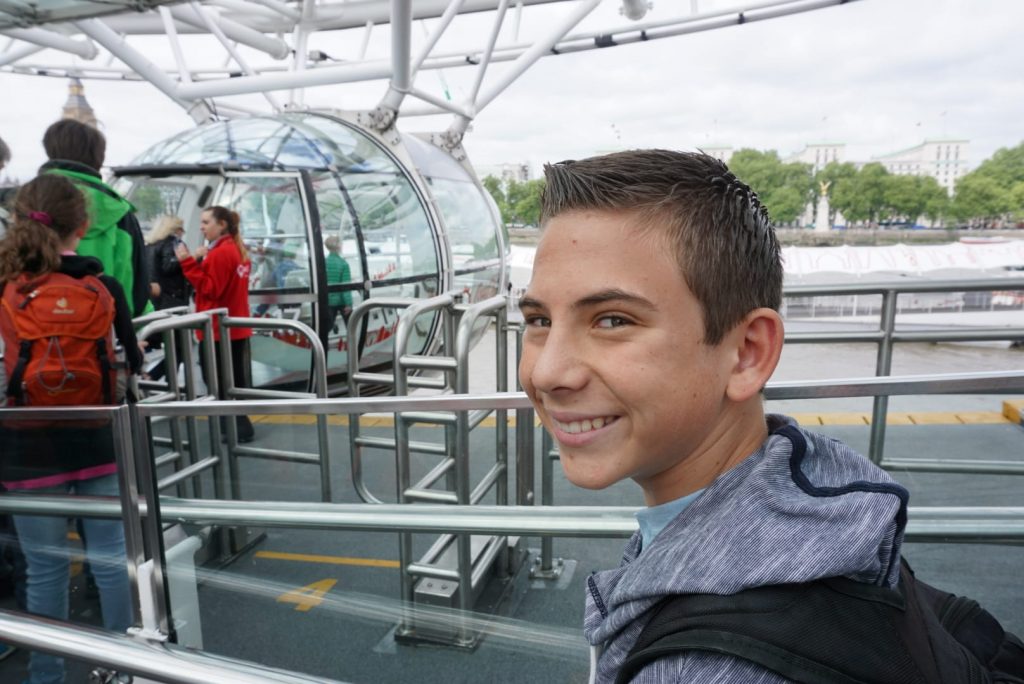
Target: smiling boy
652, 327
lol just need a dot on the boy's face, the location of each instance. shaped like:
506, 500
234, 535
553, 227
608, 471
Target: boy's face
614, 359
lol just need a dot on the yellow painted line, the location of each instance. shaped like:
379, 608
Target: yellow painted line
329, 560
806, 418
935, 418
894, 418
1013, 410
844, 418
981, 417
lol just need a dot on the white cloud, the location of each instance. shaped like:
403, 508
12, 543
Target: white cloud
878, 75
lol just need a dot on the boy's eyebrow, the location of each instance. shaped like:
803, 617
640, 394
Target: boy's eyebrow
614, 295
529, 303
601, 297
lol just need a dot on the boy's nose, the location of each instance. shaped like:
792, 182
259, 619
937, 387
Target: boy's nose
554, 365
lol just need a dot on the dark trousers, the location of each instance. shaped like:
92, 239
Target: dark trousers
241, 363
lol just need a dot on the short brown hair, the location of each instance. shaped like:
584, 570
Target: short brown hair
47, 210
75, 141
724, 239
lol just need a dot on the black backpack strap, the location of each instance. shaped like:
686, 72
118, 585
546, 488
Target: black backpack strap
833, 631
105, 368
18, 373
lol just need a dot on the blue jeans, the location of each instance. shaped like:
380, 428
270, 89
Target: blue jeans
44, 540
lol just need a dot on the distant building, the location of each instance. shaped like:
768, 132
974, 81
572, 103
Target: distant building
819, 155
77, 107
943, 160
723, 153
518, 172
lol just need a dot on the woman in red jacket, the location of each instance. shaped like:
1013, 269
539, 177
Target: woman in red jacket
221, 279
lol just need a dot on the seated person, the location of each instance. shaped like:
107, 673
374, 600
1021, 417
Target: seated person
285, 266
652, 327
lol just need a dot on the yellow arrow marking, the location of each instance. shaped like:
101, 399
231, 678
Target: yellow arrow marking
308, 597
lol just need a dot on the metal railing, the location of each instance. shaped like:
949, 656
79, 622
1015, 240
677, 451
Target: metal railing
154, 660
144, 512
886, 335
318, 377
459, 325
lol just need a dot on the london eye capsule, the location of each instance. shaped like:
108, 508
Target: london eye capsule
405, 217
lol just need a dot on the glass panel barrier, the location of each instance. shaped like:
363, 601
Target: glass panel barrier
326, 602
72, 569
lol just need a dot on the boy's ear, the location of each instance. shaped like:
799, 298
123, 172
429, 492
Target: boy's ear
757, 341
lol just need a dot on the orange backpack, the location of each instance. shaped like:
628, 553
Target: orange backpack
59, 343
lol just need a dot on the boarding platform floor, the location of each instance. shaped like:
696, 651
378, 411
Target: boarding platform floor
326, 603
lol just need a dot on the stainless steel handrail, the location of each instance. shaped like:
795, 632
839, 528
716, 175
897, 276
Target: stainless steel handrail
909, 286
496, 476
1011, 382
355, 377
153, 660
321, 457
175, 329
440, 305
886, 334
925, 523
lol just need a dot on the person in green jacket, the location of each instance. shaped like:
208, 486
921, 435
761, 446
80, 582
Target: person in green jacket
77, 151
338, 271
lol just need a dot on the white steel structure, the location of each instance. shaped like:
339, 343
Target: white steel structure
278, 48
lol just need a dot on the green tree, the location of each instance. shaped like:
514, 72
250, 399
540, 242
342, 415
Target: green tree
524, 201
149, 203
1006, 166
980, 199
904, 198
936, 205
493, 185
1017, 201
863, 197
988, 193
784, 188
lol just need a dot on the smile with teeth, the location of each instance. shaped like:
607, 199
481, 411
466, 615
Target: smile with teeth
586, 425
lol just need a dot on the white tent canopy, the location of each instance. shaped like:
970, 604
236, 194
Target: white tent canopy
859, 261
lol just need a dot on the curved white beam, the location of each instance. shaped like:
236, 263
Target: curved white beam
51, 39
274, 47
14, 54
116, 45
329, 17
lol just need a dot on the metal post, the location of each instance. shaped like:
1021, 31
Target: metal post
152, 525
524, 437
501, 415
128, 489
191, 422
171, 373
883, 366
462, 485
547, 496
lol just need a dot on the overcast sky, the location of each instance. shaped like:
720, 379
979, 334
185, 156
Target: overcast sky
878, 75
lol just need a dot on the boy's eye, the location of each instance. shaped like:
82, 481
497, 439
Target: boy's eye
537, 321
612, 321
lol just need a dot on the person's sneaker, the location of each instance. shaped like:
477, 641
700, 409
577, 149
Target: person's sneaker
6, 651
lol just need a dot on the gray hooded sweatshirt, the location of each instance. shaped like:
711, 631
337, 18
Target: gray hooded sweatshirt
801, 508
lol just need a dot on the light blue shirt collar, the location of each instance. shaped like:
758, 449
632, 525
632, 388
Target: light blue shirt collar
654, 519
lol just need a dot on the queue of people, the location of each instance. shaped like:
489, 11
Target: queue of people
71, 243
